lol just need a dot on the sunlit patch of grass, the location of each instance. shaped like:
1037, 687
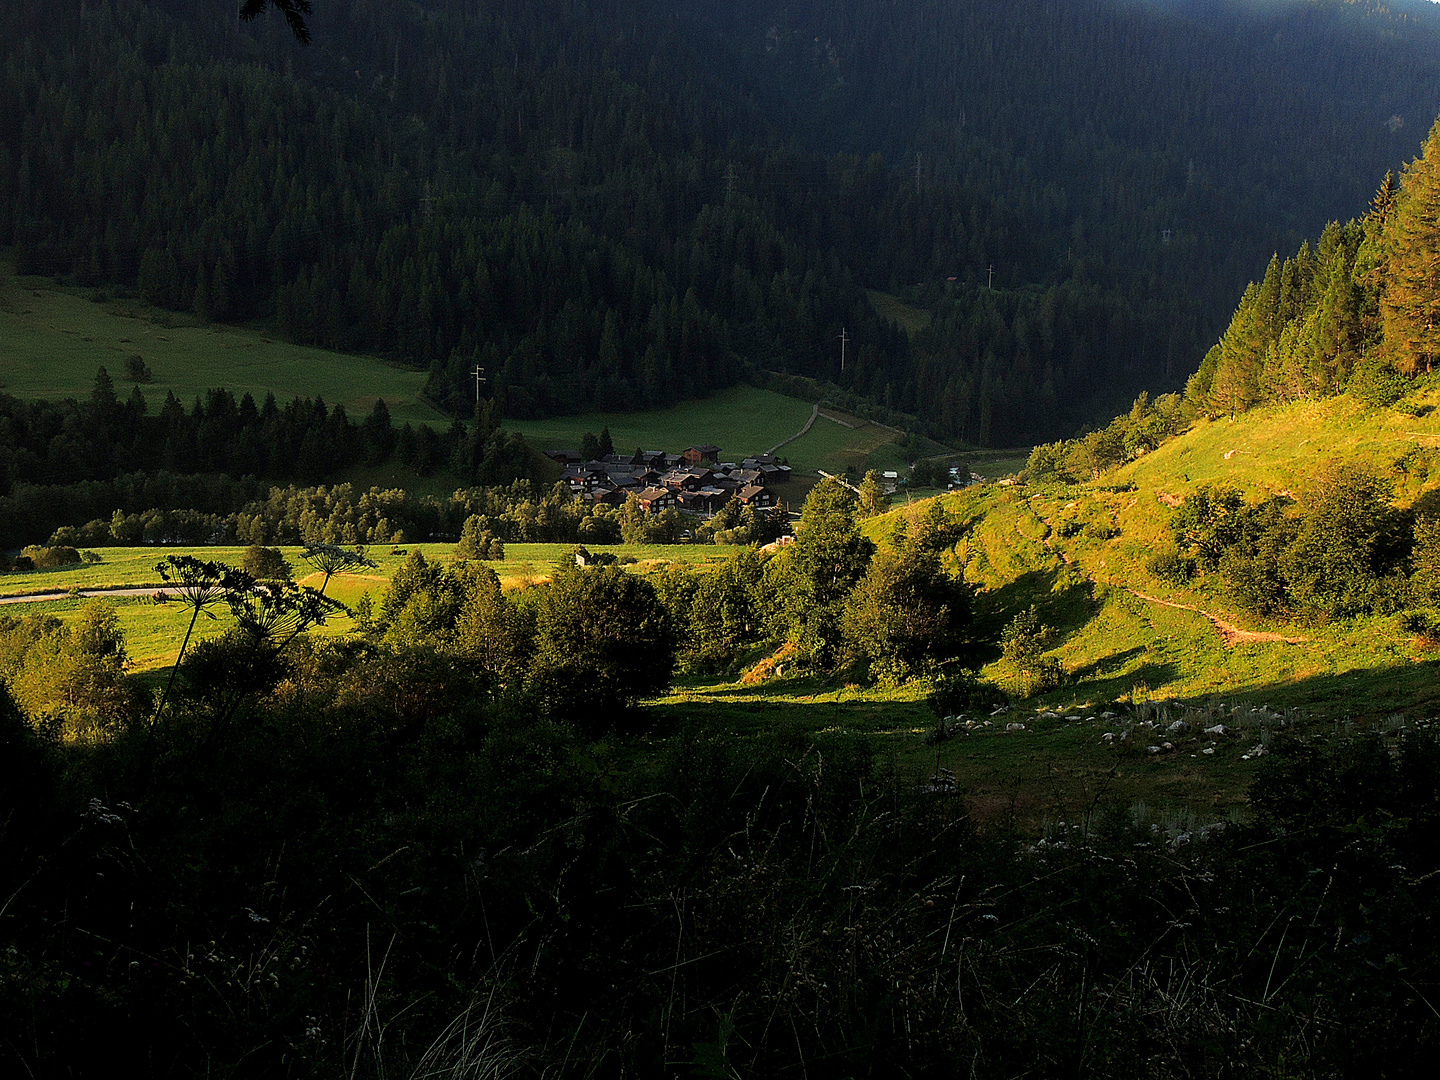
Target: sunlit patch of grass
55, 339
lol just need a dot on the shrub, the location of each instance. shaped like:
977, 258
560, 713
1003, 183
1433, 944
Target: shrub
48, 558
1024, 641
137, 371
954, 692
266, 564
1169, 565
1377, 384
603, 641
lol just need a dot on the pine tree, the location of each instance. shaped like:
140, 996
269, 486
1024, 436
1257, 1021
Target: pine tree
1410, 303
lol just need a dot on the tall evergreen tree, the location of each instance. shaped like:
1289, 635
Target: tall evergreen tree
1410, 302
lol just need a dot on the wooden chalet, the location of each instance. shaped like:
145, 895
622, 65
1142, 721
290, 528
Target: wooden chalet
695, 455
704, 502
757, 496
655, 499
608, 497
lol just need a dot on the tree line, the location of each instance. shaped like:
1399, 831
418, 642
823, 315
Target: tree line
62, 463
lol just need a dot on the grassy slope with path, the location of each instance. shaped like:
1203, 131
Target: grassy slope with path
1127, 653
53, 339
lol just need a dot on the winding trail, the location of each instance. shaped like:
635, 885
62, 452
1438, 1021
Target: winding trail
1231, 634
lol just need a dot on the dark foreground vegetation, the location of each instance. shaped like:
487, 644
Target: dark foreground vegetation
329, 885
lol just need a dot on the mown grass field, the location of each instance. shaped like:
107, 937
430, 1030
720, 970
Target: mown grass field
832, 446
52, 341
741, 420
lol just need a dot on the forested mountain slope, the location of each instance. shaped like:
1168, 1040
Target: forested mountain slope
618, 203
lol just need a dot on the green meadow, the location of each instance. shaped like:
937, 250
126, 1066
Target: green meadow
741, 420
52, 341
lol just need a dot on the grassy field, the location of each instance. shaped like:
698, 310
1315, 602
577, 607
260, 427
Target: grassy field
741, 420
52, 340
832, 446
1275, 448
908, 318
153, 631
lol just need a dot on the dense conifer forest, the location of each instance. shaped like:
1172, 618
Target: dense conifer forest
618, 204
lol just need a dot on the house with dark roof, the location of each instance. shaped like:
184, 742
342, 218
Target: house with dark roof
757, 496
608, 497
655, 499
704, 502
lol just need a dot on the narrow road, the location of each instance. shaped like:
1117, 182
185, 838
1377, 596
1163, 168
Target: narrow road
813, 414
35, 598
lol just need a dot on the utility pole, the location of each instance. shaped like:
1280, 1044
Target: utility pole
843, 339
730, 179
426, 201
479, 374
990, 284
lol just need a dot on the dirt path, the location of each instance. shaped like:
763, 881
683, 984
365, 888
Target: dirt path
814, 412
1231, 634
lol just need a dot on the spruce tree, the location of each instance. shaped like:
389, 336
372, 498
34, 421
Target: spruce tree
1410, 303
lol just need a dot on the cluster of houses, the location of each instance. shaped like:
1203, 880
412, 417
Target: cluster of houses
696, 481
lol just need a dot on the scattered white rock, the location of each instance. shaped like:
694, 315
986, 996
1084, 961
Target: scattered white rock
1109, 736
1167, 746
1014, 727
1107, 715
1152, 749
1208, 750
1177, 727
1072, 718
1218, 729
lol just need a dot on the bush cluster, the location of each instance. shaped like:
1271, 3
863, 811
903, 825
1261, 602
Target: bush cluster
1341, 550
